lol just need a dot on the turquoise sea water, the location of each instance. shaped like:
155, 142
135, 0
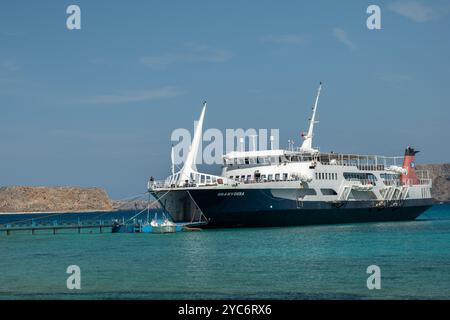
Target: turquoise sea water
315, 262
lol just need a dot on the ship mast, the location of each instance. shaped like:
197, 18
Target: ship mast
307, 143
189, 164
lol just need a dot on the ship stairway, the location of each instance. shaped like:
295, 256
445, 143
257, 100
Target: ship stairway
404, 192
347, 187
395, 195
387, 193
345, 192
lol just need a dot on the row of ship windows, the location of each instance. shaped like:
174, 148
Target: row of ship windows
252, 161
285, 177
326, 176
269, 177
318, 175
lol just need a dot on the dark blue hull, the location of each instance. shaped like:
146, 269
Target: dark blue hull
259, 208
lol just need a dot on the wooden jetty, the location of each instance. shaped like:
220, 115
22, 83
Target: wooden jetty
54, 227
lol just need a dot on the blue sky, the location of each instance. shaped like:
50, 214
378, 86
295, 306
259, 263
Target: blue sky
96, 106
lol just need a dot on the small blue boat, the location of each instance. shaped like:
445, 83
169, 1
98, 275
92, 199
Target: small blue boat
165, 226
155, 225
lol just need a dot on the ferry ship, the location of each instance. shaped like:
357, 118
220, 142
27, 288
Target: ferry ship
302, 186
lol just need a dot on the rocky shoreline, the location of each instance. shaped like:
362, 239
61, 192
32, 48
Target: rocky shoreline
38, 200
19, 199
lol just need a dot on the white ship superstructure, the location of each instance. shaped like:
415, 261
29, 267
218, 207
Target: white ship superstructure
296, 186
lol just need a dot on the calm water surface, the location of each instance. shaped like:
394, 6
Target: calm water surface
318, 262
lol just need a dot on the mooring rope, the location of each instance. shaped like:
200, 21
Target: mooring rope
200, 210
149, 204
131, 199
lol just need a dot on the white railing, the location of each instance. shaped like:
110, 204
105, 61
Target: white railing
424, 177
363, 162
196, 180
164, 184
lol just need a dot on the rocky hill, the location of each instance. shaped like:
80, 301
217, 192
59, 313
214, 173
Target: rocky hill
440, 174
53, 199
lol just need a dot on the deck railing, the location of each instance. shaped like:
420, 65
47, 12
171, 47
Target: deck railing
363, 162
422, 179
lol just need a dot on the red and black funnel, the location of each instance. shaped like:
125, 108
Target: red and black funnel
409, 164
